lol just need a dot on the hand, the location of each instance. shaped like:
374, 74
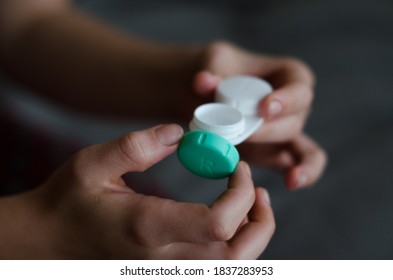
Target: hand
285, 110
85, 210
301, 159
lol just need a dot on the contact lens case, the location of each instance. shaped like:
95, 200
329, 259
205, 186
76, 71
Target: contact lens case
208, 149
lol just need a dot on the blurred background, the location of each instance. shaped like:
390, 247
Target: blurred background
349, 44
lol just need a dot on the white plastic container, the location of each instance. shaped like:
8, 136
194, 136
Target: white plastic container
234, 116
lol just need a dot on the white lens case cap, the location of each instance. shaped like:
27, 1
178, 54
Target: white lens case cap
235, 115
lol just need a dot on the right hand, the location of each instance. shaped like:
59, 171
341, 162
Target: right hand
85, 210
280, 141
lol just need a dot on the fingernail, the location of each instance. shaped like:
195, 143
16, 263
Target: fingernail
274, 108
266, 196
169, 135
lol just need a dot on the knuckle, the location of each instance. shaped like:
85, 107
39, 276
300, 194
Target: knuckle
78, 166
141, 231
271, 227
142, 237
324, 157
131, 147
308, 95
297, 129
299, 65
219, 46
218, 52
295, 62
299, 126
318, 151
219, 231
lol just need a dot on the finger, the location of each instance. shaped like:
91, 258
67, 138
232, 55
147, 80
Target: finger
159, 221
274, 155
279, 130
205, 83
290, 99
252, 239
224, 60
282, 71
135, 151
235, 203
312, 162
293, 82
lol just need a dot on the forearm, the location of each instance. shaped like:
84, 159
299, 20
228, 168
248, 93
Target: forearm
84, 64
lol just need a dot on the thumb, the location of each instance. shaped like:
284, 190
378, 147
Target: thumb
136, 151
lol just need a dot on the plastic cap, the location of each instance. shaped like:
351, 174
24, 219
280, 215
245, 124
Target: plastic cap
208, 150
208, 155
235, 115
243, 93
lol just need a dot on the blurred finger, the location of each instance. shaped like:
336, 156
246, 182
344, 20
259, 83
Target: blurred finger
279, 130
205, 83
283, 71
293, 82
291, 99
274, 155
311, 163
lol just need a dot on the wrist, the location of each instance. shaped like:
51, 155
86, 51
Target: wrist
159, 77
25, 231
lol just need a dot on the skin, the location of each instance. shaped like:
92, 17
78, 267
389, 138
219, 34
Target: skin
116, 70
280, 142
84, 210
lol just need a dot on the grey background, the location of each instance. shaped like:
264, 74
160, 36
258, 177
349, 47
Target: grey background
349, 44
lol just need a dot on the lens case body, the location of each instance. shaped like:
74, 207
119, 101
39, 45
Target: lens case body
208, 149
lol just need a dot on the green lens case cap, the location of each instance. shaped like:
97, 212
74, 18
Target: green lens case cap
208, 155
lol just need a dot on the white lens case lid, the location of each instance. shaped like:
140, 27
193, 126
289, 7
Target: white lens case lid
235, 115
243, 93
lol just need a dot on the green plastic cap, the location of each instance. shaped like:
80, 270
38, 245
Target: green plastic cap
207, 155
